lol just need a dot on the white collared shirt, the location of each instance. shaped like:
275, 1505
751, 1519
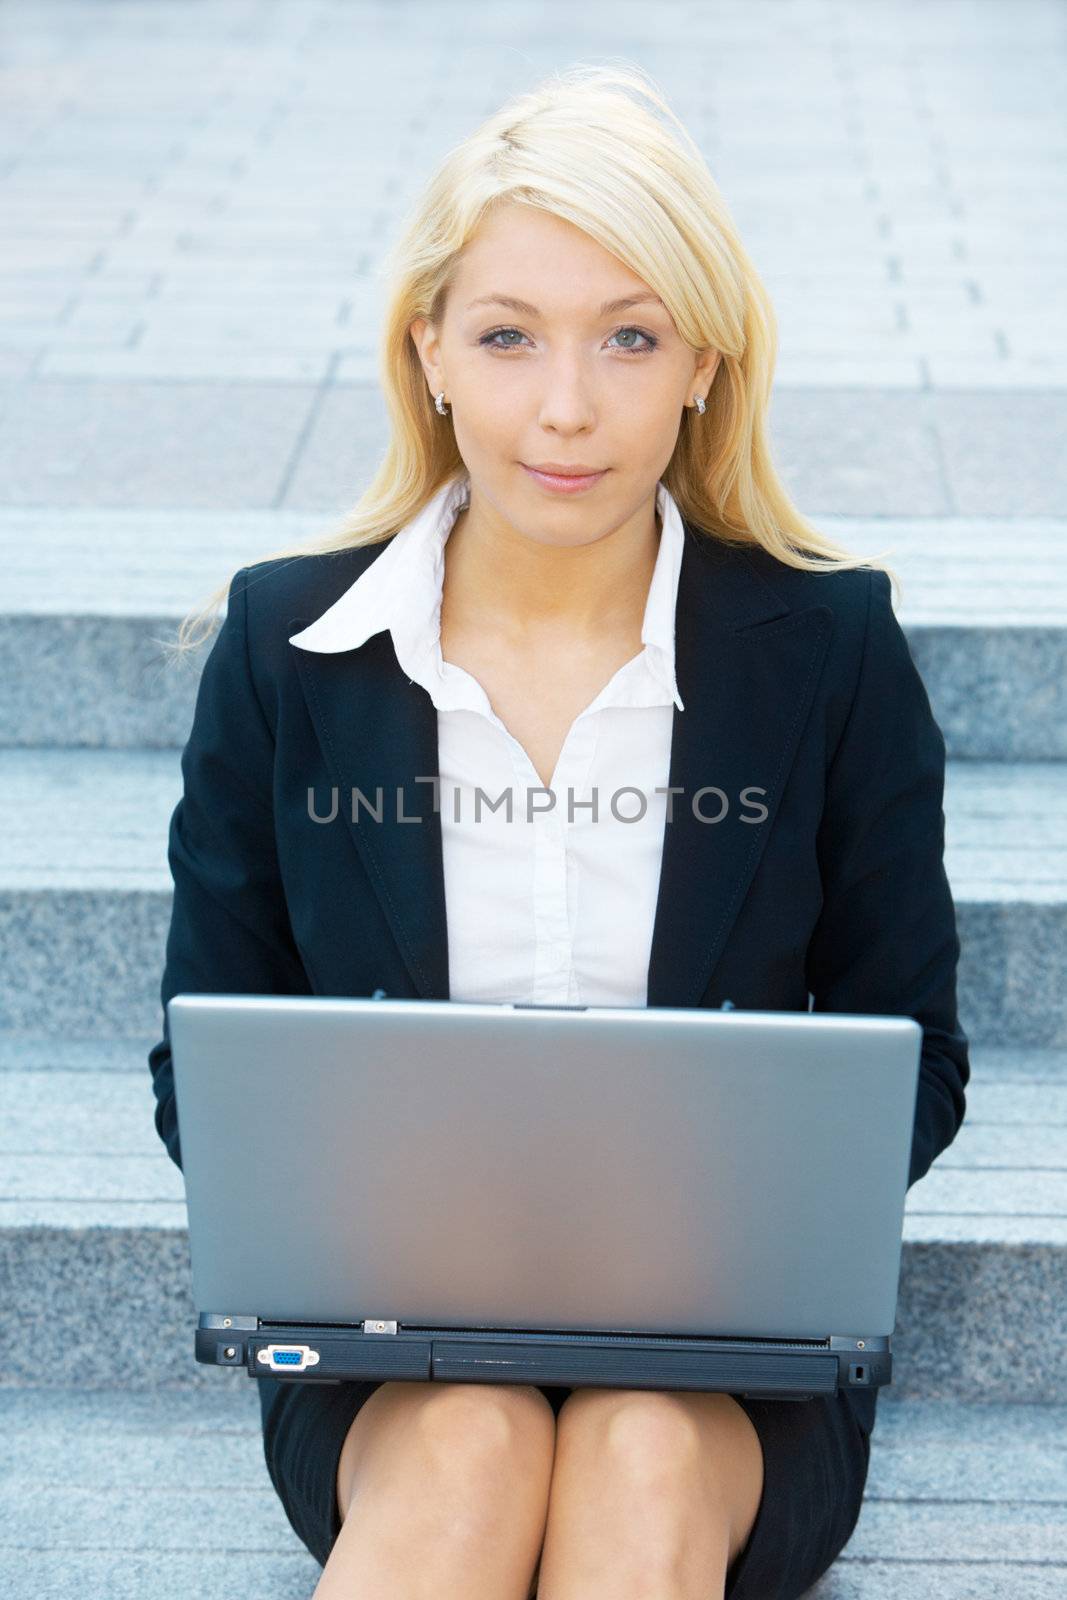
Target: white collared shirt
549, 906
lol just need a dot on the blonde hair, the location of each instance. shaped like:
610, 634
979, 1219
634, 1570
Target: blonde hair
587, 146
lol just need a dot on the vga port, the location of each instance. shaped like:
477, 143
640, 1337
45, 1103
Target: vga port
288, 1357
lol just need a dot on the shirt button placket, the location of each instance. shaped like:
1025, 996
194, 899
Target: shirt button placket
552, 963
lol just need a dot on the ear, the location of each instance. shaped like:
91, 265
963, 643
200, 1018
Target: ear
707, 364
426, 340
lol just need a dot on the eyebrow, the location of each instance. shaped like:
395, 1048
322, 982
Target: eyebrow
527, 310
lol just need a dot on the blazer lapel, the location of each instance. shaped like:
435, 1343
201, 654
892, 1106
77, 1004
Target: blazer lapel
746, 667
378, 732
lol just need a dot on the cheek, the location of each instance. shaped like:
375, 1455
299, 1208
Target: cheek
650, 421
489, 422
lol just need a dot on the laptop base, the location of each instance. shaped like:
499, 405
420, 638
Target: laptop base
381, 1349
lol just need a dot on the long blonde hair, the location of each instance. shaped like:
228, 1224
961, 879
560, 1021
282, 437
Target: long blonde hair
586, 145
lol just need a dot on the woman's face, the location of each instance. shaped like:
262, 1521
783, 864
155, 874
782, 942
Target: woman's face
566, 379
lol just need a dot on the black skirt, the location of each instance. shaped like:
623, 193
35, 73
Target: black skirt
815, 1458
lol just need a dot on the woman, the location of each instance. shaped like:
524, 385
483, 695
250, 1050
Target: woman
571, 295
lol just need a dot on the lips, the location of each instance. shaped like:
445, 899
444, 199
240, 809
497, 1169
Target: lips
564, 483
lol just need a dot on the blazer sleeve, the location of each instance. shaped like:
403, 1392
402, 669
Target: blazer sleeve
229, 927
886, 941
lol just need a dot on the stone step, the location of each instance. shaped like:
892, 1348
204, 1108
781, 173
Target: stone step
990, 641
120, 1493
79, 649
92, 1218
85, 891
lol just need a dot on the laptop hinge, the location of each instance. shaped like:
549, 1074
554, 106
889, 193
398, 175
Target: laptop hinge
378, 1325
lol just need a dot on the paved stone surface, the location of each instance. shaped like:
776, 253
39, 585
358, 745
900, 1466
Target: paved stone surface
83, 875
86, 1136
97, 819
156, 563
169, 1491
85, 653
191, 276
92, 1215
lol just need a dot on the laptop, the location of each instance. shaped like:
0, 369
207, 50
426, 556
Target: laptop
641, 1197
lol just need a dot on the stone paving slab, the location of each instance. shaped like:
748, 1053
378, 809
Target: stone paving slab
215, 1576
195, 444
82, 646
65, 1091
97, 819
130, 1574
1044, 1233
1009, 1085
154, 563
93, 1218
1002, 1450
86, 1136
148, 564
185, 1503
83, 847
227, 170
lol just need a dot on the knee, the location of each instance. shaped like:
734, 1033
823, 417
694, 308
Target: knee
646, 1434
503, 1426
637, 1424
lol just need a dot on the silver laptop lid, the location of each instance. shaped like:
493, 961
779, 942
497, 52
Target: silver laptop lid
445, 1163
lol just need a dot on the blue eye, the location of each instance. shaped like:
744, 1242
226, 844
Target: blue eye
651, 340
638, 350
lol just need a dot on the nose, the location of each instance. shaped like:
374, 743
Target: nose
566, 398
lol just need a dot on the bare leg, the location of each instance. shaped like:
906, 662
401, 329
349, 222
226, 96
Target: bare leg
652, 1492
443, 1490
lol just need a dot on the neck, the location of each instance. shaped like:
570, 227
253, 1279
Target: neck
498, 581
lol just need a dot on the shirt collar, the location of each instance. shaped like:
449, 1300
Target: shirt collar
401, 589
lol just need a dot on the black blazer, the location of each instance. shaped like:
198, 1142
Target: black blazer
798, 684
